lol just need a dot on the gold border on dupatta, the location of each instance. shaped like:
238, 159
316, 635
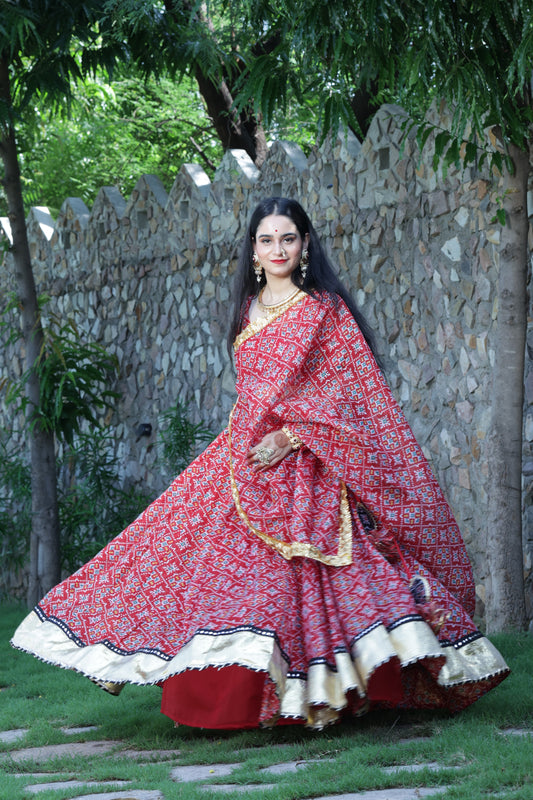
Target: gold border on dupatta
290, 549
255, 327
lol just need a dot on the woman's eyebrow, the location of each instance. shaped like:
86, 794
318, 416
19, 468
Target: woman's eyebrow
269, 235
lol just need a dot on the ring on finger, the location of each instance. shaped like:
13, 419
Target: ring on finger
264, 454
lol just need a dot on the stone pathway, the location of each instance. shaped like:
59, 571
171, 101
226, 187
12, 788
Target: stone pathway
197, 774
35, 788
41, 754
8, 737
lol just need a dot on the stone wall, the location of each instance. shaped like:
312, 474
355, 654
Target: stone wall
150, 278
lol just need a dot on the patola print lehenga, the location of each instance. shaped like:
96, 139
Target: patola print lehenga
332, 584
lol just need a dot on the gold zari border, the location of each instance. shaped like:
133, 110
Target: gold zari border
254, 327
318, 699
303, 549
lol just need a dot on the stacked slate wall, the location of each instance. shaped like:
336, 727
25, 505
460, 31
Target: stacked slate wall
150, 278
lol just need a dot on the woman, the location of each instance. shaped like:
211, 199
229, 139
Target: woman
306, 565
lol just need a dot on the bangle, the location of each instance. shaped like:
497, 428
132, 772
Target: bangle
295, 441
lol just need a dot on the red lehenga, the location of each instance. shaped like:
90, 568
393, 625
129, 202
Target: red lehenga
334, 583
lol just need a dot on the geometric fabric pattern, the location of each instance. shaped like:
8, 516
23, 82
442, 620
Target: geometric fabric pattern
190, 597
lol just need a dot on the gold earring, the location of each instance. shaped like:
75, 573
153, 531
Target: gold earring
304, 262
258, 269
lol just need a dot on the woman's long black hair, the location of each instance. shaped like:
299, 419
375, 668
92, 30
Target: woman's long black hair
320, 276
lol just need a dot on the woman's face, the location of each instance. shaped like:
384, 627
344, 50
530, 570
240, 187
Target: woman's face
278, 245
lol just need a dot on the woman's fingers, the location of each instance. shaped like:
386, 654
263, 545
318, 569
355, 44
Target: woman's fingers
269, 452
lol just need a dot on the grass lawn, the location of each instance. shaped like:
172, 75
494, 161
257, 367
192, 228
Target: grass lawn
484, 761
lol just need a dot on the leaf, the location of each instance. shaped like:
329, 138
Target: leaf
497, 161
426, 132
471, 151
500, 214
441, 140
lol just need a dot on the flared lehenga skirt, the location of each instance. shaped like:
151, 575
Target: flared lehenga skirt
238, 636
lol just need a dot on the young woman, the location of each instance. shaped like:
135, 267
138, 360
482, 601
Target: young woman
306, 565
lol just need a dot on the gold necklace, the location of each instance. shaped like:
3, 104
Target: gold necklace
271, 307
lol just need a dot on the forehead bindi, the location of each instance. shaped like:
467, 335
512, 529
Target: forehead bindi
276, 225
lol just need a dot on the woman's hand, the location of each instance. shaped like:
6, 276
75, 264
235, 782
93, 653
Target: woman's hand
269, 452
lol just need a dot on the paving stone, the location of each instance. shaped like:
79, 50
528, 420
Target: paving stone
64, 775
35, 788
432, 765
291, 766
80, 729
38, 754
516, 732
413, 739
199, 772
236, 787
130, 794
415, 793
13, 736
151, 755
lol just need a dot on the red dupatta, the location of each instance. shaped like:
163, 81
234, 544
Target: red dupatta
311, 370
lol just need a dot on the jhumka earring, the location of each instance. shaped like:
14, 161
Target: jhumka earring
258, 269
304, 263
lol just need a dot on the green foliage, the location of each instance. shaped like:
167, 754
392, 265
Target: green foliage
180, 438
72, 376
477, 56
104, 92
93, 509
315, 56
234, 46
293, 62
41, 43
117, 132
15, 506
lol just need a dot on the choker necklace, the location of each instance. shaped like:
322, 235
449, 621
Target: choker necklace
271, 307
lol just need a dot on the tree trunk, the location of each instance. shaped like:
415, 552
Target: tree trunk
241, 131
236, 131
364, 107
44, 546
505, 606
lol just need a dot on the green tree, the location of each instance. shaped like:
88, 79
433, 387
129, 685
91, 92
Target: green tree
210, 42
476, 56
151, 116
38, 40
117, 132
251, 60
46, 47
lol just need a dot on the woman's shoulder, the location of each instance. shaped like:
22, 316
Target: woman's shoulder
326, 312
324, 299
327, 303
